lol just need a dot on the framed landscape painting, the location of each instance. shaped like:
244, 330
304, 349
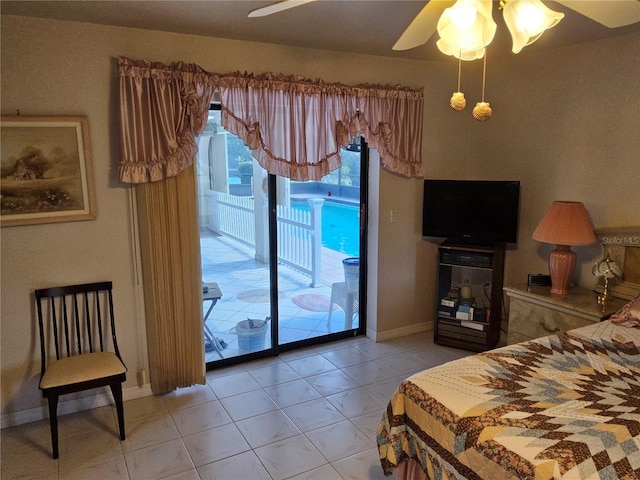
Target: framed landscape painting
45, 170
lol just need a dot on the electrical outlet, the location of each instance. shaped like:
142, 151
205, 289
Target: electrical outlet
142, 377
393, 216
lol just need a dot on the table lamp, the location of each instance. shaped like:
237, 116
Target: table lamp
566, 224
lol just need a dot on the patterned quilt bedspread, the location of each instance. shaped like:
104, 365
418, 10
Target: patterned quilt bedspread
565, 406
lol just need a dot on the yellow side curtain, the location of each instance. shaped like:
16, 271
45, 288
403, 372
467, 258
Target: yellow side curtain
170, 246
161, 111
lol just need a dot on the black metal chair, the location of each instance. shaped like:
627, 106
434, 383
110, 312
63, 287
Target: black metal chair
77, 325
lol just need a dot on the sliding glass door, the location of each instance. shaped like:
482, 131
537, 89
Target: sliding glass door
280, 259
319, 236
234, 239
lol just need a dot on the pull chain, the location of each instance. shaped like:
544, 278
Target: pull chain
482, 111
458, 101
484, 73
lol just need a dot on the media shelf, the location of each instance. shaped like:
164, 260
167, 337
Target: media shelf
469, 296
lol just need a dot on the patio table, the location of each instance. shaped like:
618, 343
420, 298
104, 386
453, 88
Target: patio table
211, 293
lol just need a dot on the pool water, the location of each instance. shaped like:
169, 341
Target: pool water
340, 226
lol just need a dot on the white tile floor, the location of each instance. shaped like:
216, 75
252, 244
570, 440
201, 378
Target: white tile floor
308, 414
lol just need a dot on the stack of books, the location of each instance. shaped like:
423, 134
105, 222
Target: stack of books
466, 308
465, 312
448, 306
461, 308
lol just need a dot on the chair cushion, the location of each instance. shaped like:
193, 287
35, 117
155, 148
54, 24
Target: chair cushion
81, 368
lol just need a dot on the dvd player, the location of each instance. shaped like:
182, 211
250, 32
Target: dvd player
467, 259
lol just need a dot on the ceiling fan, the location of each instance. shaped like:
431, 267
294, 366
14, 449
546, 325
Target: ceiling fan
610, 13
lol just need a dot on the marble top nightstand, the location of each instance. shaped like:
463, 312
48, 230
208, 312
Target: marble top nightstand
535, 312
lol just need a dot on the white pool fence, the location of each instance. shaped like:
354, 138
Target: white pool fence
299, 232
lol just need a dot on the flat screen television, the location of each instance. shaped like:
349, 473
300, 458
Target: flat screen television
471, 212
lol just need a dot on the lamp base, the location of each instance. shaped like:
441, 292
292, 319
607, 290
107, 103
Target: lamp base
562, 262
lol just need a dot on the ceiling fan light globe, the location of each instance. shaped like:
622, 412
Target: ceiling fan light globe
462, 54
467, 26
464, 16
527, 20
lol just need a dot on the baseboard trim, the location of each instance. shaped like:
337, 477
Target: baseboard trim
400, 332
100, 399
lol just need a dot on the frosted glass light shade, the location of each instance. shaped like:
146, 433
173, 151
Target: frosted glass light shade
457, 52
527, 20
466, 28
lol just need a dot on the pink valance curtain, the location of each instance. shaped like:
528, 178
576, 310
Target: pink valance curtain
162, 109
391, 121
294, 126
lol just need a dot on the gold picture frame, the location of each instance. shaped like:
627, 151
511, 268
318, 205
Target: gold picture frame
46, 171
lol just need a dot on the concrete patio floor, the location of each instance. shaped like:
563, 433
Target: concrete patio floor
244, 283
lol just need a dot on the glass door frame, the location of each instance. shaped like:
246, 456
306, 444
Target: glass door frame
361, 329
275, 348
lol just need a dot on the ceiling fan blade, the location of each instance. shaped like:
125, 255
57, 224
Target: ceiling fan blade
423, 26
277, 7
612, 14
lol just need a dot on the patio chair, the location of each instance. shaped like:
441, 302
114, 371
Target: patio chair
78, 346
347, 299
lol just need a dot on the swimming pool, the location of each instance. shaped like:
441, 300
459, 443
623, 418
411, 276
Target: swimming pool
340, 226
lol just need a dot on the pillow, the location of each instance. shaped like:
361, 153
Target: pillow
629, 315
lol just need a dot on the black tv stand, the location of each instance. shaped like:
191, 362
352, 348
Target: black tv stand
469, 295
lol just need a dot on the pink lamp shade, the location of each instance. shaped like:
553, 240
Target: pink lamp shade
566, 224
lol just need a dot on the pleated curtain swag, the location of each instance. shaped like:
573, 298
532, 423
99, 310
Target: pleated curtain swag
294, 126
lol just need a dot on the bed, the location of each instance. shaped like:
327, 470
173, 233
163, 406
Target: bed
566, 406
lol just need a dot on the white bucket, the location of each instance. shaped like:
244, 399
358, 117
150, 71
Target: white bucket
351, 273
251, 334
